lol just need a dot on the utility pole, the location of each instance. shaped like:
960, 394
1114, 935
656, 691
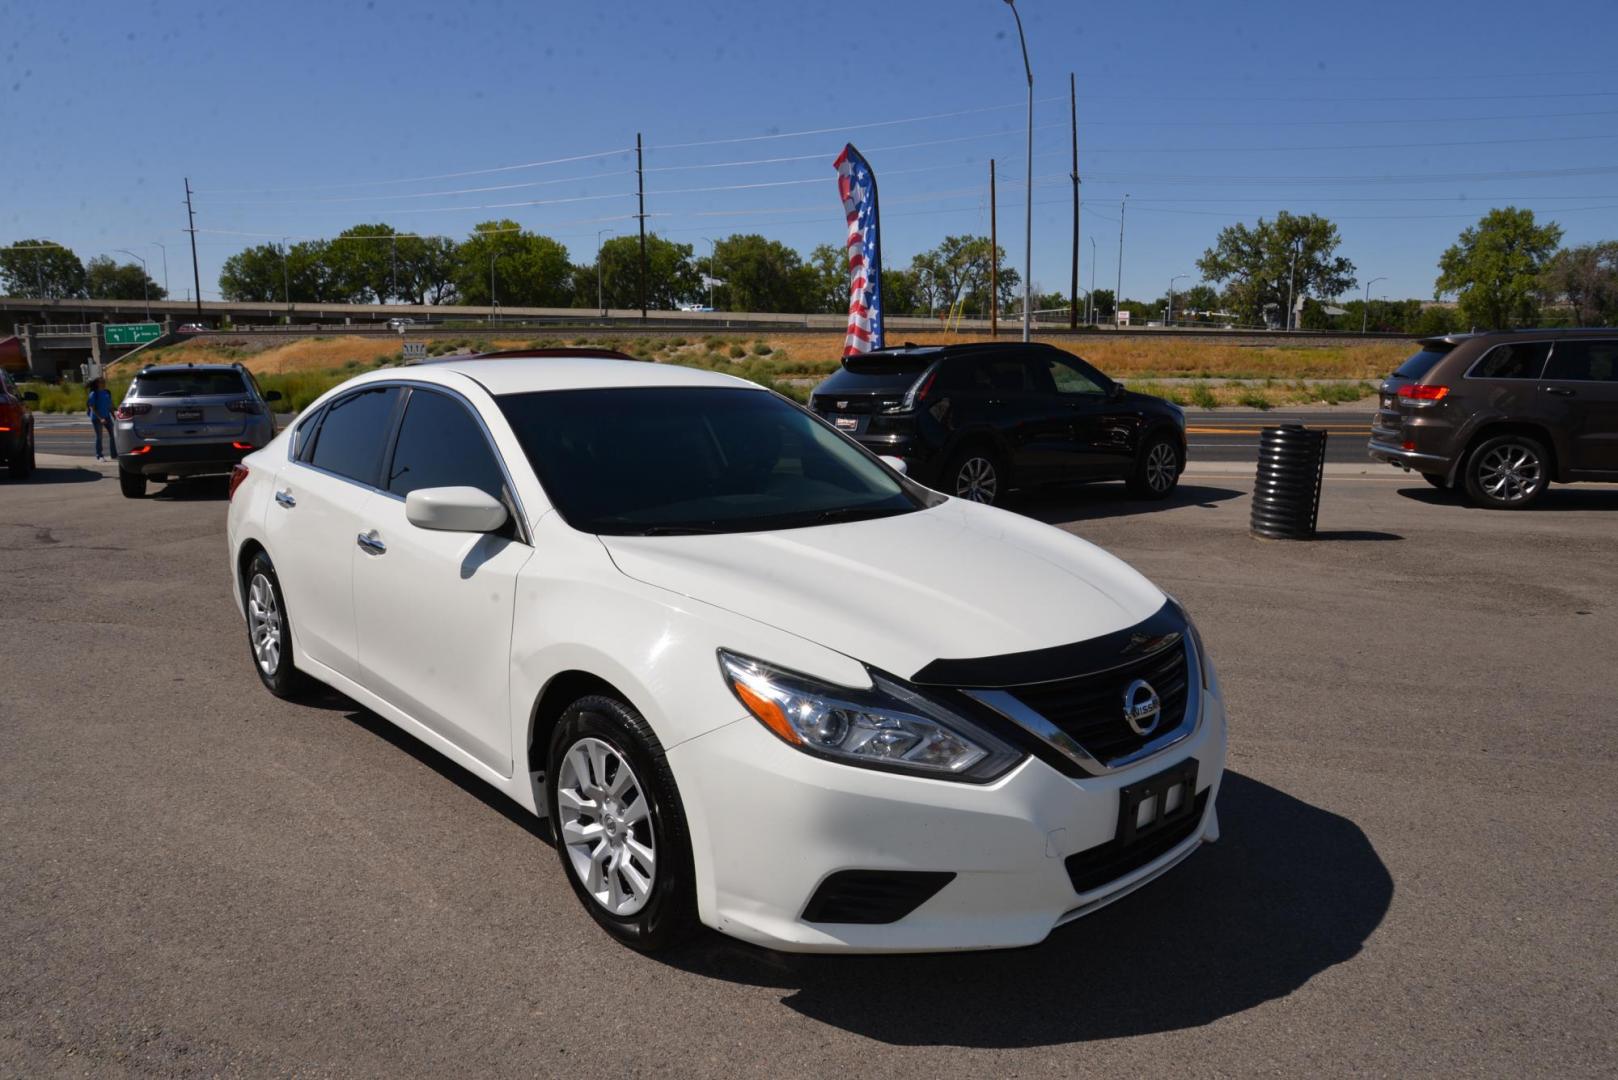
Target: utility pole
1073, 286
1028, 181
994, 263
640, 195
1118, 295
191, 227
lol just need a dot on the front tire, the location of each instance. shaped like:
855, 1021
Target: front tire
269, 633
1157, 469
132, 484
977, 475
1508, 472
21, 465
619, 824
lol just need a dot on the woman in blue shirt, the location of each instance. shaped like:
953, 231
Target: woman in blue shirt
100, 410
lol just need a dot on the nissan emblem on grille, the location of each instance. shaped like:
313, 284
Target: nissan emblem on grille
1142, 708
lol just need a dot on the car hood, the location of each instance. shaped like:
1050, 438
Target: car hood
952, 582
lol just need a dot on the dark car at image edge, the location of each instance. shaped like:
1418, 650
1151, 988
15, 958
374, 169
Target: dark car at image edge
1503, 414
977, 420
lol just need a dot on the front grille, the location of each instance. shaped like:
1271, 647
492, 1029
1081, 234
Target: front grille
1094, 867
1089, 709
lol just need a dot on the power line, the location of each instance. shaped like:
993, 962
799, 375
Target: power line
418, 179
846, 127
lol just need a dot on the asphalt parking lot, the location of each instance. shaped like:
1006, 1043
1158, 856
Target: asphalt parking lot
1416, 872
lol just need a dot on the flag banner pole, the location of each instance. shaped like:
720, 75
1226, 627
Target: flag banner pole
856, 186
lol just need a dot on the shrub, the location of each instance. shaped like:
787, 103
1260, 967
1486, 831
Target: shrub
761, 348
1254, 399
1202, 396
737, 352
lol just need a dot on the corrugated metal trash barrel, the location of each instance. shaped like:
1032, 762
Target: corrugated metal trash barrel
1286, 497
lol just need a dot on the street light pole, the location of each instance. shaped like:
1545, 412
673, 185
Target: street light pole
1292, 283
713, 271
159, 245
393, 288
1365, 313
1028, 180
492, 301
1091, 303
1118, 297
286, 279
1169, 318
145, 292
601, 301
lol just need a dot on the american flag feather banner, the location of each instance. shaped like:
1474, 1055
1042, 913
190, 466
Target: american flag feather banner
856, 183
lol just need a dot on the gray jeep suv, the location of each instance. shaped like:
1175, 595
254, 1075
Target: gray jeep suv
189, 420
1503, 414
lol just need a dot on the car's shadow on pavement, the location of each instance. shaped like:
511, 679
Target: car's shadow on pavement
1289, 891
1087, 502
200, 489
1574, 498
52, 474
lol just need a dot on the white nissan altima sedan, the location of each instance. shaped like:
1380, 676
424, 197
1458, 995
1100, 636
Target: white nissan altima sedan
756, 678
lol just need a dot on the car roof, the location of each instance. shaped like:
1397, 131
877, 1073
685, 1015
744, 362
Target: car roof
1452, 340
188, 367
520, 374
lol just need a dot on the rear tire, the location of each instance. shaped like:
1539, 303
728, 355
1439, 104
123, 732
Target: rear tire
269, 631
619, 824
976, 474
1508, 472
1157, 469
132, 484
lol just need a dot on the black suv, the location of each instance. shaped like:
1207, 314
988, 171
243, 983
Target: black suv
1503, 414
977, 420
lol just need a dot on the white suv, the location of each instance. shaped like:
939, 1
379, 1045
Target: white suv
755, 677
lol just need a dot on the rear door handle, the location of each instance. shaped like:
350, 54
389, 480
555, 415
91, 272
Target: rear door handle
1561, 391
285, 499
371, 543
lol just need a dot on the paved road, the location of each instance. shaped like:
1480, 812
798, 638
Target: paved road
1416, 874
1219, 435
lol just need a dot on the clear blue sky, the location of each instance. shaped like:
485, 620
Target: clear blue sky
1390, 118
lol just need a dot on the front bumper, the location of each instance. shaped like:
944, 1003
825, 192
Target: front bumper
769, 824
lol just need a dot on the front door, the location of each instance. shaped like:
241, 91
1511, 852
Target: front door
1579, 394
433, 610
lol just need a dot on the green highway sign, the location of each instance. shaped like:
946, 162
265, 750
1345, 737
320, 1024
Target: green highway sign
132, 333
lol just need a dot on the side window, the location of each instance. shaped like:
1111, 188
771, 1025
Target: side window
1074, 377
353, 433
441, 445
1517, 360
303, 436
1584, 361
1007, 375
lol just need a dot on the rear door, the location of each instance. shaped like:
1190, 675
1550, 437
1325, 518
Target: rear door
192, 405
432, 609
1011, 392
1579, 393
315, 516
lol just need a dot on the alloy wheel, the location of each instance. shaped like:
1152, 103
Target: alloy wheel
264, 624
1160, 467
977, 480
1510, 472
605, 823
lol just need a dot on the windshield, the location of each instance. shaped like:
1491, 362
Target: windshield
187, 383
670, 460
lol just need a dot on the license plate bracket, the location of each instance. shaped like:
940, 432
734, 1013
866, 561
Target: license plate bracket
847, 423
1169, 798
188, 416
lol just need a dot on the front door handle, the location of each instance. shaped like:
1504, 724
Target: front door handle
284, 498
371, 543
1561, 391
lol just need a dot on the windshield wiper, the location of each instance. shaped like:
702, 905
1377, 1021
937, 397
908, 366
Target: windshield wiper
674, 530
854, 513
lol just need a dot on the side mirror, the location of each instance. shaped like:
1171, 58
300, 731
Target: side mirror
29, 395
896, 464
455, 509
272, 395
1115, 390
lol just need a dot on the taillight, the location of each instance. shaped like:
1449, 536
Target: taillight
1414, 392
918, 393
238, 473
242, 445
243, 405
129, 412
140, 450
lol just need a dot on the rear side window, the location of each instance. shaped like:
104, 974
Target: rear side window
441, 445
999, 374
303, 436
352, 435
186, 383
1584, 361
1517, 360
1420, 364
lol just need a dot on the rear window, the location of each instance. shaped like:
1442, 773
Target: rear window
203, 383
1420, 364
888, 379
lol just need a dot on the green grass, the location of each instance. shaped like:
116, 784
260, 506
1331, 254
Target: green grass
1201, 395
1254, 399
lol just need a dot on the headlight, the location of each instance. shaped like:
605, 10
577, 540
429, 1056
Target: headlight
887, 727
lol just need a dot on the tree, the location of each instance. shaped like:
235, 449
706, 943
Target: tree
1585, 279
41, 268
106, 279
759, 275
828, 266
672, 278
901, 293
529, 270
1102, 301
252, 275
1258, 262
427, 268
1494, 268
958, 270
362, 263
